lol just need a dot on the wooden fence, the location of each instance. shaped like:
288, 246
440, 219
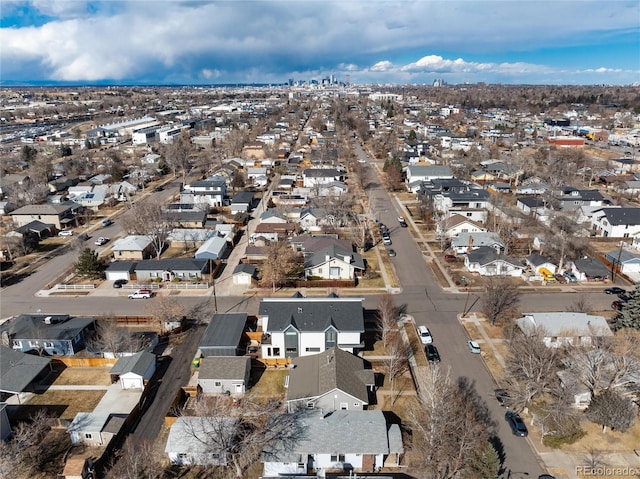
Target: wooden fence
274, 363
70, 362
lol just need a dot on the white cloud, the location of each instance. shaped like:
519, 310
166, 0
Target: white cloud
382, 66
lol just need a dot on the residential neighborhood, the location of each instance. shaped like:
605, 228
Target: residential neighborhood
240, 281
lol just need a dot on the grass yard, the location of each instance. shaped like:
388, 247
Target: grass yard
90, 376
64, 404
270, 382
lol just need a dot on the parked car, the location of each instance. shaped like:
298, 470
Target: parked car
570, 276
518, 427
65, 233
546, 476
391, 252
402, 221
450, 258
618, 305
432, 353
102, 240
560, 278
502, 395
387, 240
141, 294
158, 188
474, 347
119, 282
107, 222
615, 290
425, 335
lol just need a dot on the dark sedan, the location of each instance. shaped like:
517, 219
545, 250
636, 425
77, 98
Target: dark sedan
517, 425
614, 290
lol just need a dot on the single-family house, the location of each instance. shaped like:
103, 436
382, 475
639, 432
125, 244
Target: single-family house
466, 242
200, 441
187, 218
532, 205
487, 262
331, 380
6, 207
540, 264
471, 203
300, 326
13, 182
95, 428
224, 335
209, 192
20, 371
312, 177
272, 231
272, 215
589, 269
244, 274
570, 198
416, 174
170, 269
62, 215
190, 237
224, 374
625, 261
333, 262
327, 442
134, 247
313, 219
562, 328
241, 202
533, 186
134, 371
457, 224
335, 188
617, 222
53, 334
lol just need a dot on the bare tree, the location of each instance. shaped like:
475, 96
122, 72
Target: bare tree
611, 409
451, 427
558, 417
149, 219
178, 155
22, 451
387, 316
243, 432
398, 351
136, 459
531, 365
110, 338
582, 304
280, 262
500, 297
166, 309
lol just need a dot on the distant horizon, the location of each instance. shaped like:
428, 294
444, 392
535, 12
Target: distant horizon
209, 42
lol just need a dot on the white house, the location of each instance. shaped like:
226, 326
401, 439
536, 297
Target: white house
457, 224
487, 262
417, 173
198, 441
209, 192
617, 222
466, 242
563, 328
224, 374
333, 262
244, 275
300, 326
320, 176
357, 441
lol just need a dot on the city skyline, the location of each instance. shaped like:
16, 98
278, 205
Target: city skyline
201, 42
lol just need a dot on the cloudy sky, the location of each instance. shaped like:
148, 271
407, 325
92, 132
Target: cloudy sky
370, 41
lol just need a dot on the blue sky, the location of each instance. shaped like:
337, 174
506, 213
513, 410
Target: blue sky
370, 41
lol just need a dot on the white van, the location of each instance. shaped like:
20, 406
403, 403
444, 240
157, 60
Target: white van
425, 335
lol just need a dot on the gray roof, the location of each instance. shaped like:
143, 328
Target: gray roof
321, 173
430, 170
562, 324
174, 264
223, 367
622, 216
35, 226
318, 374
224, 330
592, 267
46, 209
536, 260
624, 255
242, 197
245, 268
481, 238
214, 181
334, 251
313, 314
341, 432
33, 326
18, 369
486, 255
532, 201
129, 266
138, 364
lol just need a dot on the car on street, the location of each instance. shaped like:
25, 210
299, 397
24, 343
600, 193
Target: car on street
517, 425
618, 305
386, 239
450, 258
141, 294
391, 252
102, 240
107, 222
425, 335
502, 396
158, 188
65, 233
570, 276
561, 278
402, 221
433, 356
615, 290
119, 282
474, 347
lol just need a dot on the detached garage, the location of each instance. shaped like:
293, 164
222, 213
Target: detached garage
134, 371
120, 270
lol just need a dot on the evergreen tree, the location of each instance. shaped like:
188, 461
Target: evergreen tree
486, 463
89, 265
629, 315
412, 135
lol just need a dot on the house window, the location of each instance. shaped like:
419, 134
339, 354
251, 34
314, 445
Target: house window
276, 351
182, 456
344, 406
33, 344
87, 435
334, 271
469, 214
153, 274
310, 405
356, 404
17, 344
312, 350
218, 383
337, 458
48, 344
320, 271
180, 275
